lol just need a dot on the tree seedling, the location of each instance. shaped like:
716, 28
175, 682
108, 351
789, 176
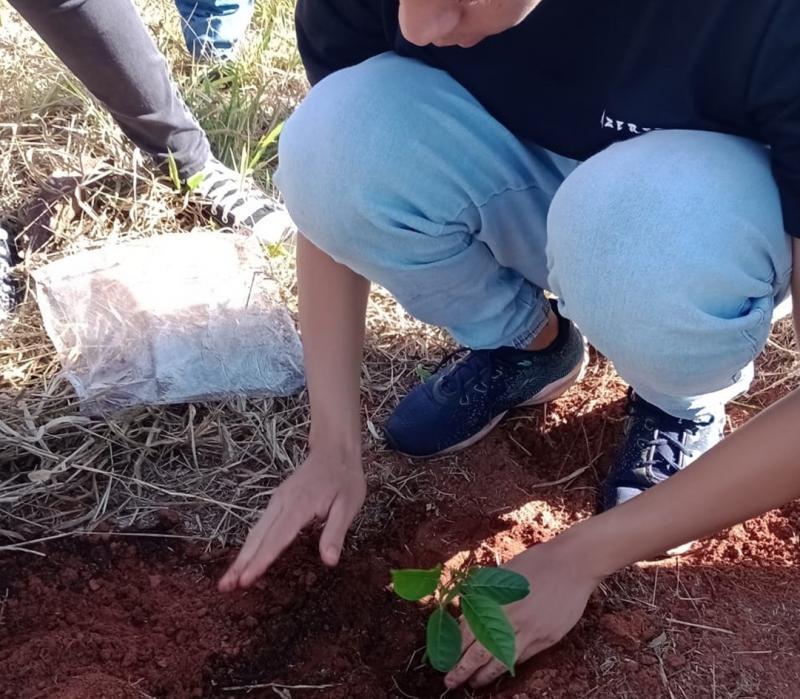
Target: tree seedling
482, 592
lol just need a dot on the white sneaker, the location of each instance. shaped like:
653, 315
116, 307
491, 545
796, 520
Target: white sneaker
8, 295
783, 309
236, 202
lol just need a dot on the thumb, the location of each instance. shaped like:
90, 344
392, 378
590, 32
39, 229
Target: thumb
340, 517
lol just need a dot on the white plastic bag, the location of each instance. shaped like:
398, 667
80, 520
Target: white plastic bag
169, 319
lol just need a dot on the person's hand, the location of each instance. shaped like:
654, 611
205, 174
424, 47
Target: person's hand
560, 589
323, 488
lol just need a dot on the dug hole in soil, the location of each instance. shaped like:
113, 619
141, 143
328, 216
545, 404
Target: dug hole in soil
125, 617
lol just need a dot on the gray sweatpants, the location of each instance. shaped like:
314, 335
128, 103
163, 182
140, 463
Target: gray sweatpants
106, 45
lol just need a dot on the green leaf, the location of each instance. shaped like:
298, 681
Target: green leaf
491, 627
443, 640
423, 374
272, 136
276, 250
195, 180
264, 143
414, 584
243, 169
501, 585
172, 167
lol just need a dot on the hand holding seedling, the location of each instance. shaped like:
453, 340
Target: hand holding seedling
482, 592
546, 590
560, 588
322, 488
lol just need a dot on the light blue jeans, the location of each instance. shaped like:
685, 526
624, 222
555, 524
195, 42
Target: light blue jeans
214, 28
668, 250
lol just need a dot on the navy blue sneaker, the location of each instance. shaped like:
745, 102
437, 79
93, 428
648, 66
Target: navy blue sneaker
656, 446
464, 400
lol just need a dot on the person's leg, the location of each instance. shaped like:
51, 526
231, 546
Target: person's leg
214, 29
106, 45
396, 171
669, 251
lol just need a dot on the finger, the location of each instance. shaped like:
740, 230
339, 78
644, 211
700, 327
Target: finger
274, 542
230, 580
488, 673
494, 669
472, 661
467, 637
534, 648
340, 517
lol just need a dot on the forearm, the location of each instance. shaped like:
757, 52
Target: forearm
333, 302
796, 288
755, 469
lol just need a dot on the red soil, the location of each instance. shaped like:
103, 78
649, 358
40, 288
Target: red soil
125, 617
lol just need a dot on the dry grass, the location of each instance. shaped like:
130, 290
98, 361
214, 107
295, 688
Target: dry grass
69, 181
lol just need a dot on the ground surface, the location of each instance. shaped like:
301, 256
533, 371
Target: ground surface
131, 616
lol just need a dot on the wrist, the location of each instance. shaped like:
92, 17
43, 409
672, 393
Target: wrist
335, 425
591, 545
342, 444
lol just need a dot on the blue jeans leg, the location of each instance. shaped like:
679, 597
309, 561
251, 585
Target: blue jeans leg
214, 28
396, 171
669, 252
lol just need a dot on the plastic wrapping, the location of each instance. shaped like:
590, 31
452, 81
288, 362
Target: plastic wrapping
169, 319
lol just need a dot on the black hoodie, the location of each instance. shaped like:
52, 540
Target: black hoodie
578, 75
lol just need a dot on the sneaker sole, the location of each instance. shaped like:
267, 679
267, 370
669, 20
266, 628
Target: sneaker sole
676, 552
783, 309
681, 550
548, 393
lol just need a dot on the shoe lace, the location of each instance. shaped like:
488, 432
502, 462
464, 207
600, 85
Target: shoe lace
466, 367
226, 192
671, 435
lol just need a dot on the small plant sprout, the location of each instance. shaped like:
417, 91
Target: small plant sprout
422, 372
482, 592
192, 183
195, 181
172, 167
